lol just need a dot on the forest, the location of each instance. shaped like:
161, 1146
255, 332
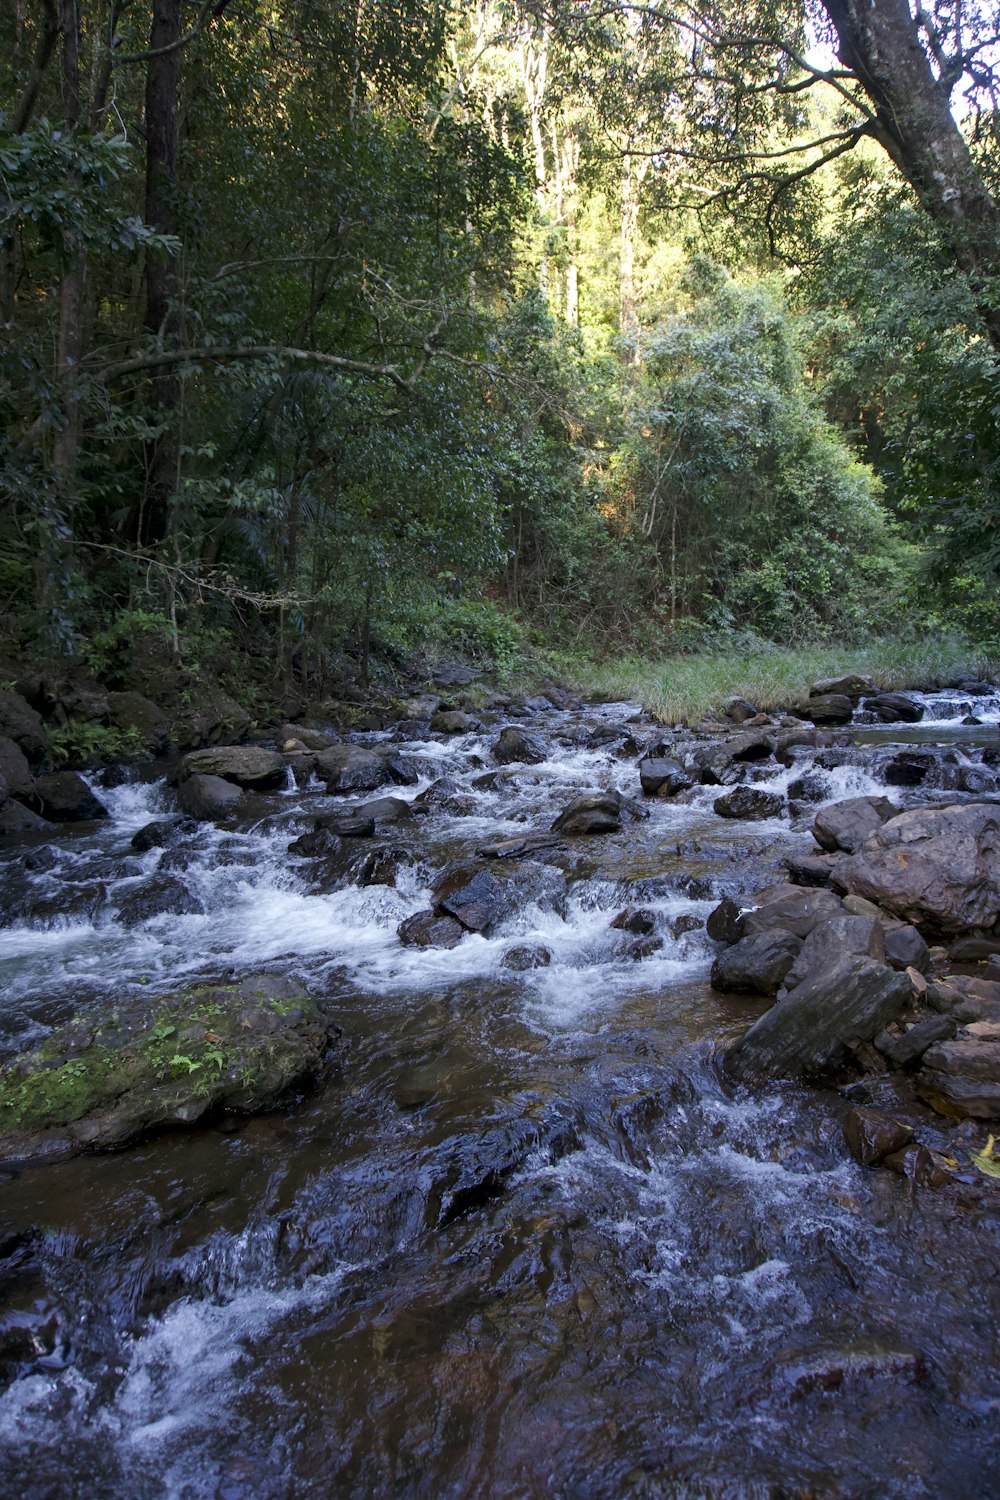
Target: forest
343, 336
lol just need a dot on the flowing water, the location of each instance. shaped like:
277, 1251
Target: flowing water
525, 1241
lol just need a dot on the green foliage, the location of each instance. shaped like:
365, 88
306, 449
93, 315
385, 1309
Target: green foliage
87, 743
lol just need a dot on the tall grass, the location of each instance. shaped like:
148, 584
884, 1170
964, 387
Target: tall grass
683, 689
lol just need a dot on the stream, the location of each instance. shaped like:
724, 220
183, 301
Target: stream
525, 1240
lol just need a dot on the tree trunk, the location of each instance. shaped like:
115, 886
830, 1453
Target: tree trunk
72, 280
880, 43
150, 526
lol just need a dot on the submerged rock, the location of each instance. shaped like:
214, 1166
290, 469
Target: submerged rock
107, 1080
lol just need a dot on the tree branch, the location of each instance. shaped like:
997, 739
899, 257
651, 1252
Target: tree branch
44, 49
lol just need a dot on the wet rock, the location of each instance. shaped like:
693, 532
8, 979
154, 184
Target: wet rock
352, 823
791, 908
847, 825
971, 950
429, 929
635, 919
136, 715
872, 1135
810, 869
811, 1032
594, 812
749, 803
402, 770
922, 1167
352, 768
453, 721
164, 1061
519, 847
525, 957
967, 999
908, 768
480, 896
835, 938
643, 947
14, 768
159, 835
906, 949
809, 788
17, 820
725, 923
478, 1168
852, 685
713, 760
756, 964
663, 777
938, 868
64, 797
321, 843
208, 797
161, 897
383, 867
832, 1369
830, 708
517, 746
895, 708
962, 1077
687, 922
909, 1047
244, 765
19, 722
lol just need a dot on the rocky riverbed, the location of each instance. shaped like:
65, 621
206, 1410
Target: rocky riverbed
530, 1100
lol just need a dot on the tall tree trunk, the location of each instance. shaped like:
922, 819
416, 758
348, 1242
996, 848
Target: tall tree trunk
879, 41
633, 175
72, 280
150, 525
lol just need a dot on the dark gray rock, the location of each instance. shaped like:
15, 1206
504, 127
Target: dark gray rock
480, 896
749, 803
846, 825
525, 957
244, 765
19, 722
133, 713
517, 747
909, 1047
160, 897
594, 812
961, 1078
352, 768
14, 768
835, 938
738, 710
714, 760
313, 739
791, 908
320, 843
663, 777
756, 964
17, 820
208, 797
895, 708
811, 1032
64, 797
852, 685
936, 867
429, 929
725, 923
830, 708
906, 949
452, 721
635, 919
810, 869
519, 847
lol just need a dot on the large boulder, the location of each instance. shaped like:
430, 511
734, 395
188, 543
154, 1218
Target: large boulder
833, 939
592, 812
791, 908
750, 803
895, 708
712, 761
453, 721
830, 708
481, 896
131, 712
935, 867
846, 825
852, 685
64, 797
244, 765
352, 768
162, 896
962, 1077
208, 797
516, 746
14, 768
810, 1032
756, 964
430, 929
661, 776
19, 722
109, 1078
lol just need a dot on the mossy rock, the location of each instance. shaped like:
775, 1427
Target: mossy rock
106, 1080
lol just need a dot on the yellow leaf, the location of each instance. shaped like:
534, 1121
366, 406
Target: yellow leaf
987, 1163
